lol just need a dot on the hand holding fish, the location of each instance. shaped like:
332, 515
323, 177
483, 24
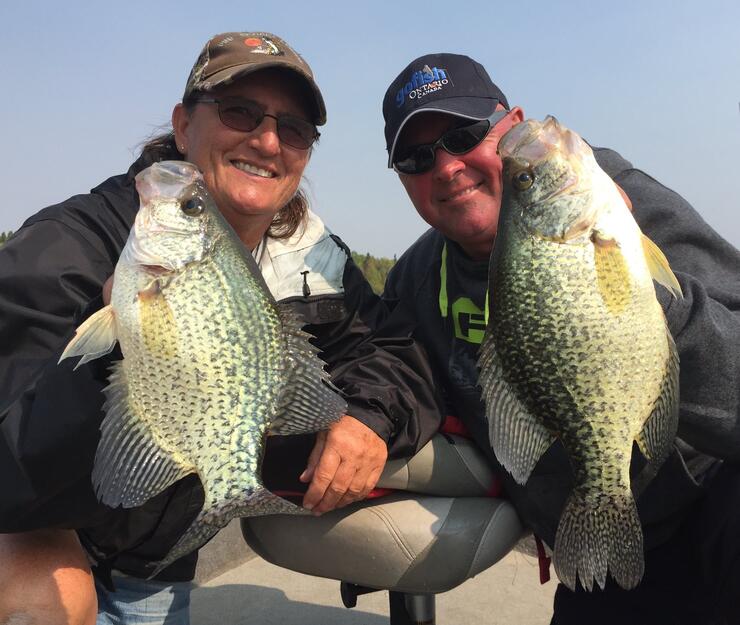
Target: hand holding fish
107, 290
625, 197
344, 465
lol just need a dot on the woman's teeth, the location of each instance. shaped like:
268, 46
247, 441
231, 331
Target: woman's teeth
252, 169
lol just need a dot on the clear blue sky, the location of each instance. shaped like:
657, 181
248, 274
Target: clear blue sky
85, 82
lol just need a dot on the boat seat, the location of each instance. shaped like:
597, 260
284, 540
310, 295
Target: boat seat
439, 528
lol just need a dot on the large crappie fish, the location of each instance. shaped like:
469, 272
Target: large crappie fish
211, 362
577, 347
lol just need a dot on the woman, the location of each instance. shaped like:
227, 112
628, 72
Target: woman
248, 121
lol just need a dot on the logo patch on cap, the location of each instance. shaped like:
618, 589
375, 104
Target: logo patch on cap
423, 82
263, 45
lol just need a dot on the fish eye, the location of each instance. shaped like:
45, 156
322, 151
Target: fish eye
523, 179
192, 207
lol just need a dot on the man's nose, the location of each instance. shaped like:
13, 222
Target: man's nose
446, 165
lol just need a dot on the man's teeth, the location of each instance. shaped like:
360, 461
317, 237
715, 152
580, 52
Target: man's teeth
251, 169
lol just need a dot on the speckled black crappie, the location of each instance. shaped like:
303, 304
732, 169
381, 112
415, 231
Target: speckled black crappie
577, 347
211, 362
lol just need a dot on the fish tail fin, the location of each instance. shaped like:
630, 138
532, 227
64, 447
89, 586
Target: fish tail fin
599, 533
212, 518
197, 535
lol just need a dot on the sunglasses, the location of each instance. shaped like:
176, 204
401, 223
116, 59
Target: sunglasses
246, 115
419, 159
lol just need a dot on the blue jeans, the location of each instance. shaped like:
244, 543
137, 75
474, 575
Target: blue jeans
143, 602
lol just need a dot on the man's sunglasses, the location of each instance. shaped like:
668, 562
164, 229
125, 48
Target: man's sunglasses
419, 159
246, 115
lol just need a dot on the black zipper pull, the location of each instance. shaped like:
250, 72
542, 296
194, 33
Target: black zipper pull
306, 289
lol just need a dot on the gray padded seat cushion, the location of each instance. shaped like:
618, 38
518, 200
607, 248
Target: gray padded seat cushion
407, 541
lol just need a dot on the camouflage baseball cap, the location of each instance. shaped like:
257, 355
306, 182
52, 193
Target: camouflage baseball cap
229, 56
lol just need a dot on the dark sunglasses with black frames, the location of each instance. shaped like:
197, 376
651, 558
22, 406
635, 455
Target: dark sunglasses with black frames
418, 159
246, 115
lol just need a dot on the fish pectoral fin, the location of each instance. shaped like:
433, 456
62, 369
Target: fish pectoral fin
308, 401
96, 337
612, 273
517, 437
158, 323
130, 466
659, 268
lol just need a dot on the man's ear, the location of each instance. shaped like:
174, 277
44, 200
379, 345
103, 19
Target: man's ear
517, 115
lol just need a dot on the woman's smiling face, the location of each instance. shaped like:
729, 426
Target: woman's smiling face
251, 175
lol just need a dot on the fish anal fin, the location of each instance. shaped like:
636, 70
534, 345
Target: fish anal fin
130, 466
659, 431
308, 401
612, 273
659, 268
517, 437
94, 338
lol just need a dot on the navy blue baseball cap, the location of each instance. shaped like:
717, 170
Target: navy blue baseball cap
447, 83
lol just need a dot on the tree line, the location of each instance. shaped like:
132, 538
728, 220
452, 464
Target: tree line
375, 269
4, 236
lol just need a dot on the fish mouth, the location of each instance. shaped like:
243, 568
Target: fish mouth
155, 270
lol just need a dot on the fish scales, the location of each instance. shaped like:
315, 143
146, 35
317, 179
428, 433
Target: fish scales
211, 362
205, 409
577, 347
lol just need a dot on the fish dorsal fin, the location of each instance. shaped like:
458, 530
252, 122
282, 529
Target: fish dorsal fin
130, 465
518, 439
94, 338
308, 401
659, 268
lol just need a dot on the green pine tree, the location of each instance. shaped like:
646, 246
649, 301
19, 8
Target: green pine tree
375, 269
4, 236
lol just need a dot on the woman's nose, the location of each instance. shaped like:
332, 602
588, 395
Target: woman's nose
265, 137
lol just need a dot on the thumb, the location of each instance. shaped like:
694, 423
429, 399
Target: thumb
313, 459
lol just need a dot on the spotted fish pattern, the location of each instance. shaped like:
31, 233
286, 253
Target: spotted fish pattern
211, 363
577, 348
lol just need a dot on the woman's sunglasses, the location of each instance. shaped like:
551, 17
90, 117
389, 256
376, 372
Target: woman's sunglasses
246, 115
419, 159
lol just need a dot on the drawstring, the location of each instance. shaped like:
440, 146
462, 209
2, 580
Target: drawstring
543, 560
443, 303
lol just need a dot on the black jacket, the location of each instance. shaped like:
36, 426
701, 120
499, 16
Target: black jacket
705, 325
51, 274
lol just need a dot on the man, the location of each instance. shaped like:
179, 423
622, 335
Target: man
444, 118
